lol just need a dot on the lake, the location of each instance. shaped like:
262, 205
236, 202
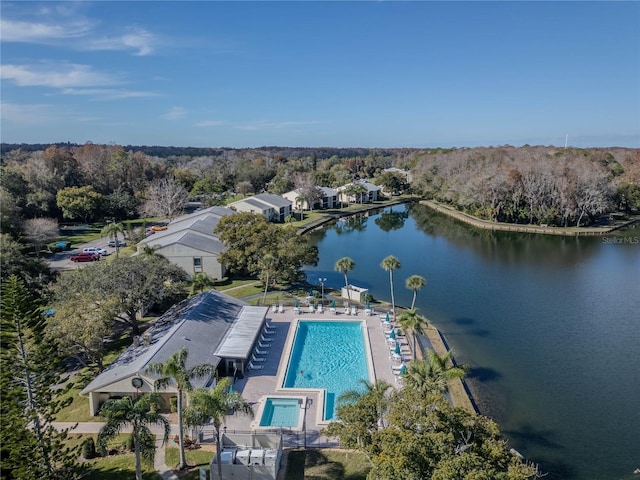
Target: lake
549, 325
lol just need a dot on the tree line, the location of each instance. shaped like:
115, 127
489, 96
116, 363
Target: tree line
532, 185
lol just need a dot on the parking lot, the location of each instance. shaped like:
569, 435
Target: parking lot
61, 261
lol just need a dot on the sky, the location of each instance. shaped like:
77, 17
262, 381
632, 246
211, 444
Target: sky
321, 74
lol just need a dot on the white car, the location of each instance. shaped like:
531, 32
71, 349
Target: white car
100, 251
121, 243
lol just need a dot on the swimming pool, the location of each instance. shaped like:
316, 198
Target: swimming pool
330, 355
281, 412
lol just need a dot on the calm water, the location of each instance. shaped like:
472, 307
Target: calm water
280, 412
549, 325
329, 355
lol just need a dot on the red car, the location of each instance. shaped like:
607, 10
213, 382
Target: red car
85, 257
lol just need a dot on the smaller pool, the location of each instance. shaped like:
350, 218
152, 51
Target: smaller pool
280, 412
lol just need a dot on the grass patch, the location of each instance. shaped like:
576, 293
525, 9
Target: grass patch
235, 283
195, 458
254, 288
327, 464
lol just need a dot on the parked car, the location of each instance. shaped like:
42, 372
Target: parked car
159, 228
121, 243
85, 257
98, 250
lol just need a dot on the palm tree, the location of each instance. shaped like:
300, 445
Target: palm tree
148, 250
391, 263
376, 391
139, 414
415, 283
411, 320
174, 370
433, 374
344, 265
214, 404
200, 281
268, 263
111, 230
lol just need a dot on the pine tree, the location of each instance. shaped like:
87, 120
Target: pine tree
31, 446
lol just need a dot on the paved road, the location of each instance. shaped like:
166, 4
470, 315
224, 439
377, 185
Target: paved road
60, 261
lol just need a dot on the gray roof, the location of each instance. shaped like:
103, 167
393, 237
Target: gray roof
201, 325
328, 192
243, 333
273, 200
194, 230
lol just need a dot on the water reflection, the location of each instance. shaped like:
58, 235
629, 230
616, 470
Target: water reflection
505, 247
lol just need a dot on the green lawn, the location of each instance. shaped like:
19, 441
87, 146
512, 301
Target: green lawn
327, 465
195, 458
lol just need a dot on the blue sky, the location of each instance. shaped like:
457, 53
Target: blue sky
341, 74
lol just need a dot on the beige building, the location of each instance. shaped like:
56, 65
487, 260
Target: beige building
274, 207
190, 243
329, 199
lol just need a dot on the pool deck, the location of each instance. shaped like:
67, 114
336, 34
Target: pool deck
258, 384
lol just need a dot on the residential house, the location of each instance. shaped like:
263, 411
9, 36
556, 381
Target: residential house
329, 199
190, 243
274, 207
214, 328
359, 191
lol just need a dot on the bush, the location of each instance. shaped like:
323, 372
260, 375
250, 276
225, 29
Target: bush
88, 448
173, 403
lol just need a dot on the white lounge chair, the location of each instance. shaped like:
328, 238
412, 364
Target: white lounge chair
281, 309
253, 366
332, 311
257, 359
346, 310
265, 339
311, 309
396, 357
354, 310
367, 311
274, 307
319, 309
257, 351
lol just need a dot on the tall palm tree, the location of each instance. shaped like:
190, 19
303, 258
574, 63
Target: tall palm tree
111, 230
174, 371
410, 320
200, 281
344, 265
214, 404
433, 374
268, 264
415, 283
376, 391
390, 264
139, 414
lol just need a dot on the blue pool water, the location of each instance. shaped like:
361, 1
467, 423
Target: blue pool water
329, 355
280, 412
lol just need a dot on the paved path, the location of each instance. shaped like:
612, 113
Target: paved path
159, 461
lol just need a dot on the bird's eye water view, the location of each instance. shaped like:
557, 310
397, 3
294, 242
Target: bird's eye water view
328, 240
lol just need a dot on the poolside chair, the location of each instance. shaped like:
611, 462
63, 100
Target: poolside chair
265, 339
354, 310
257, 351
257, 359
396, 357
332, 311
263, 345
367, 312
281, 309
319, 309
346, 310
253, 366
311, 309
266, 329
274, 308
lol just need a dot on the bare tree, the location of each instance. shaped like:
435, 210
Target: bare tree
40, 231
165, 198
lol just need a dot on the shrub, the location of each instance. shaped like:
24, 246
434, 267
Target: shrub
88, 448
173, 403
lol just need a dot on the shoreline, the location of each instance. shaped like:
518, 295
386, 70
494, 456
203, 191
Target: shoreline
514, 227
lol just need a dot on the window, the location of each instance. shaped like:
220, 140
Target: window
197, 264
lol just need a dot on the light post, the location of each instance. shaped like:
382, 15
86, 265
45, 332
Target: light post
322, 280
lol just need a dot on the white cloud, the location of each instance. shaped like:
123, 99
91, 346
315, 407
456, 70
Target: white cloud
56, 76
138, 39
34, 32
108, 93
27, 114
209, 123
175, 113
